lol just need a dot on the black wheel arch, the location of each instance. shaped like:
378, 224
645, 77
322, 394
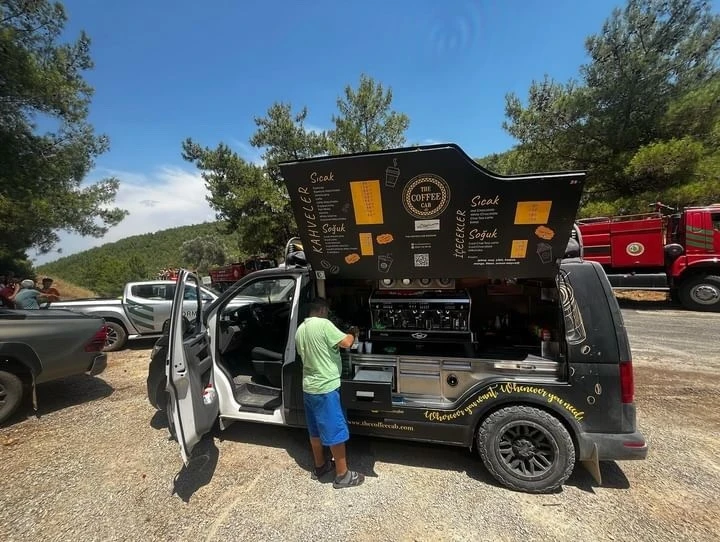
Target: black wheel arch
692, 272
20, 359
568, 421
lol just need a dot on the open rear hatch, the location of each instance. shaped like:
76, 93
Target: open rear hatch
429, 211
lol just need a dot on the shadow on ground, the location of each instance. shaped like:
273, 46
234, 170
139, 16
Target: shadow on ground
61, 394
141, 344
649, 305
364, 452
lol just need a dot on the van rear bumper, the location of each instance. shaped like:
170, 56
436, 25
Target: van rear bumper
613, 446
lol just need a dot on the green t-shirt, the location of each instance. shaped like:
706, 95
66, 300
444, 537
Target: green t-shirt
316, 340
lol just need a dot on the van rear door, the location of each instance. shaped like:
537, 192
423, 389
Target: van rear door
598, 349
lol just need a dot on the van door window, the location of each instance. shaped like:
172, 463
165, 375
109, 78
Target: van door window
191, 294
257, 320
574, 327
272, 290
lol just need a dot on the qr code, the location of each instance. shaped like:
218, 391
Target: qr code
422, 260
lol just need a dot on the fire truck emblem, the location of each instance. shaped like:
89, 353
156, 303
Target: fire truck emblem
635, 249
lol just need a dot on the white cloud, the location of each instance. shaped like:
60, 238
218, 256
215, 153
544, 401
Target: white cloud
431, 142
169, 197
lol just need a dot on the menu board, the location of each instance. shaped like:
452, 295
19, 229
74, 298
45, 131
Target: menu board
429, 212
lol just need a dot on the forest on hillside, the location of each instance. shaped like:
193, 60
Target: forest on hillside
105, 269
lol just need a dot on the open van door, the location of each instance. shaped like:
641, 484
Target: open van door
189, 371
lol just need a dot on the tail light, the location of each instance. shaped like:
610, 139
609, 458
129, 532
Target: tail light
627, 384
97, 343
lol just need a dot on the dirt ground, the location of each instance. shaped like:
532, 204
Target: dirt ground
96, 464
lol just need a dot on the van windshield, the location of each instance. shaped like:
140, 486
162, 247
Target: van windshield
269, 290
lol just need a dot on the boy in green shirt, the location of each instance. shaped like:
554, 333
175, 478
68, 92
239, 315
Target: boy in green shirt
318, 342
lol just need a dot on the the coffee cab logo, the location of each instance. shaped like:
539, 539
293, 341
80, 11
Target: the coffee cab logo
426, 196
635, 249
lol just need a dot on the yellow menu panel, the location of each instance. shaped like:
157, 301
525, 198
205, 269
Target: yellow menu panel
366, 244
367, 202
532, 212
519, 248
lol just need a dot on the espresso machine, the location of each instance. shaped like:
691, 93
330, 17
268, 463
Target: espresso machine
420, 311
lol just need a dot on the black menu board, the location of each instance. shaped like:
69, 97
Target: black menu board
429, 212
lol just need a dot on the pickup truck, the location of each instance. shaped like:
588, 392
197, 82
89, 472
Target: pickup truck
141, 311
37, 346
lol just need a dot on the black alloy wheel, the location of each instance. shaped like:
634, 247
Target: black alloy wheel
526, 449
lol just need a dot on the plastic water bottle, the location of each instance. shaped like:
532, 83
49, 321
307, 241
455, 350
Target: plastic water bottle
209, 395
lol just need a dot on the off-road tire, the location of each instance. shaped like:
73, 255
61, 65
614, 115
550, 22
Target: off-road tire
550, 437
11, 394
688, 297
120, 337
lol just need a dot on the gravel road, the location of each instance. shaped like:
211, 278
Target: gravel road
97, 465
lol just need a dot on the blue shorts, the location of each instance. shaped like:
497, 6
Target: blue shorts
326, 418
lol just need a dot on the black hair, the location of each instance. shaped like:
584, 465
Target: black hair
319, 305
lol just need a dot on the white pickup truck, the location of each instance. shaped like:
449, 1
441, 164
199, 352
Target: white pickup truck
140, 313
144, 307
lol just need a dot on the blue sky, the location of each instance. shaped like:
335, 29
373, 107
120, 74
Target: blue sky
167, 70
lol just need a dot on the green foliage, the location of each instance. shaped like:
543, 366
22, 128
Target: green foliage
41, 172
252, 199
645, 118
107, 268
366, 121
252, 205
204, 252
668, 162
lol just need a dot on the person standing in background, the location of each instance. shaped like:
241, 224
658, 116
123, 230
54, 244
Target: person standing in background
49, 290
28, 297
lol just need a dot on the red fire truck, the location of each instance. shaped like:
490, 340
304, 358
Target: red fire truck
675, 251
224, 277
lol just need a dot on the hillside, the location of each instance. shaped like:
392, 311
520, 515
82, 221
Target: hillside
105, 269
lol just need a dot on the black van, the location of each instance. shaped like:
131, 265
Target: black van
481, 325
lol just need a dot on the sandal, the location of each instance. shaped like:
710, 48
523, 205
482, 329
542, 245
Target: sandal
319, 472
350, 479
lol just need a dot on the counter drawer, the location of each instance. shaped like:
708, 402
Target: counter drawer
366, 395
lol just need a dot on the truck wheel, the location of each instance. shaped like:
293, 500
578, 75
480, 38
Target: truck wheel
526, 449
11, 393
116, 337
701, 293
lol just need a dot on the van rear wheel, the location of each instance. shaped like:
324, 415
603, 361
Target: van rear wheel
526, 449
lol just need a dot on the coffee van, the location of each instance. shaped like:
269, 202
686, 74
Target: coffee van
481, 324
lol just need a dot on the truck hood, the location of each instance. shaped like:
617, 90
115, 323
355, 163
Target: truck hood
429, 212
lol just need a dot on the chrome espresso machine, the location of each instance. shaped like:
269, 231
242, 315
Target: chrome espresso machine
422, 312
